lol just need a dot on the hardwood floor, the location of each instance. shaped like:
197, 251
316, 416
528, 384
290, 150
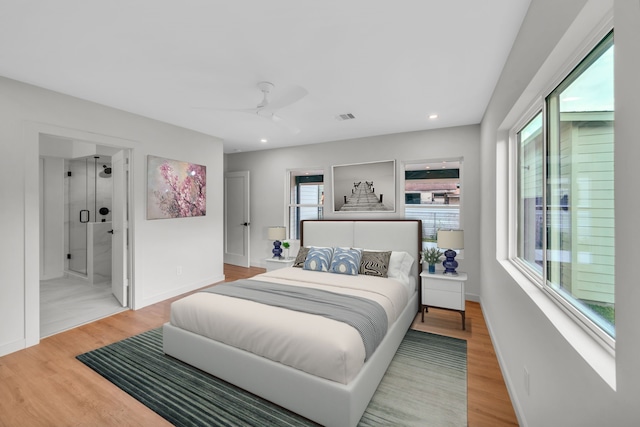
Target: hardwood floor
45, 385
488, 402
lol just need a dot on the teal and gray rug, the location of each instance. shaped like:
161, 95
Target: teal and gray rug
425, 385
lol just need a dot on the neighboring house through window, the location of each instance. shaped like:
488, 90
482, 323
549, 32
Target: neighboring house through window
432, 194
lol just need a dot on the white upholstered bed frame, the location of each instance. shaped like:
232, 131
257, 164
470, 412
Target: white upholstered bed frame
323, 401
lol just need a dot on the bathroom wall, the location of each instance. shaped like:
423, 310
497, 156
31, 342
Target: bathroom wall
52, 216
104, 190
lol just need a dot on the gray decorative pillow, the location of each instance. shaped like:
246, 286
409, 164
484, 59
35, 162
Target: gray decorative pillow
301, 257
375, 263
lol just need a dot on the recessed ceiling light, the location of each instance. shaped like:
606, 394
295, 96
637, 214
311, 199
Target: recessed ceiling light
264, 140
433, 116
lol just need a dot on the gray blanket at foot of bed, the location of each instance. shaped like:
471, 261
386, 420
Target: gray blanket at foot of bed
366, 316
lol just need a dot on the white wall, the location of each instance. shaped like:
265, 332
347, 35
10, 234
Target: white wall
269, 174
51, 218
571, 381
158, 247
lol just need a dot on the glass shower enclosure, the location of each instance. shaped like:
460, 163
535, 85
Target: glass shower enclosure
88, 196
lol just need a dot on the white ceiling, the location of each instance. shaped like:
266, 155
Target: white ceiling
390, 63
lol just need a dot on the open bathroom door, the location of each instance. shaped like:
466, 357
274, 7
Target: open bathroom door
119, 281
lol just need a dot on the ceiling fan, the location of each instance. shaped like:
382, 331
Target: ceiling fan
268, 107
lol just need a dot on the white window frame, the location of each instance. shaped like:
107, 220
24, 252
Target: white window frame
536, 108
539, 105
586, 31
289, 204
460, 161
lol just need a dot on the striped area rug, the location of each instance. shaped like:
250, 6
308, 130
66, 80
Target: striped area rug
425, 385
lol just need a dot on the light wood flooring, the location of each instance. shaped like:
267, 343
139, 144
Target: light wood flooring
45, 385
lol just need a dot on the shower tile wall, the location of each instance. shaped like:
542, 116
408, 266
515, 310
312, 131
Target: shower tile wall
104, 195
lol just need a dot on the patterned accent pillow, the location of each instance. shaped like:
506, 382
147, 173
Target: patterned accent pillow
375, 263
318, 259
301, 257
345, 261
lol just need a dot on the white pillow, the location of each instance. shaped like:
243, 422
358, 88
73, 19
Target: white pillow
400, 266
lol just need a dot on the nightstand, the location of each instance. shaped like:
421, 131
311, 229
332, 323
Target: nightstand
276, 264
443, 291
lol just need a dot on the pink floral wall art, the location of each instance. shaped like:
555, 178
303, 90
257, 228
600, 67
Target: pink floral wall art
175, 189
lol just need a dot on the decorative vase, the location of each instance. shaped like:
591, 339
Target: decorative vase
450, 264
432, 269
277, 250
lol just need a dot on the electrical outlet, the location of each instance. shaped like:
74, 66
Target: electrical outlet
526, 380
179, 270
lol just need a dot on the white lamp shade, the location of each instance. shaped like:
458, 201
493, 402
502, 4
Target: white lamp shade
451, 239
277, 233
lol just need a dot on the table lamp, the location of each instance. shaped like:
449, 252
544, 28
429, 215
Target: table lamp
277, 234
450, 240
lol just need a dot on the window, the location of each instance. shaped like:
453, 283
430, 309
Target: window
432, 194
530, 171
565, 190
306, 198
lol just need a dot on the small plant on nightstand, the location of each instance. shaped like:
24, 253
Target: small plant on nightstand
431, 256
286, 247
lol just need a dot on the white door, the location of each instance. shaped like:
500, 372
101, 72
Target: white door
236, 218
119, 282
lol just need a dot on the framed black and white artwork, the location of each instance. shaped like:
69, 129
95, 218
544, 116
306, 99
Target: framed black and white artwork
364, 187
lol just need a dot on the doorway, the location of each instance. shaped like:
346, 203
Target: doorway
237, 222
79, 190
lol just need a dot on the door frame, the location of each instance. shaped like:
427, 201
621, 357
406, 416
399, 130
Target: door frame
32, 133
235, 259
120, 265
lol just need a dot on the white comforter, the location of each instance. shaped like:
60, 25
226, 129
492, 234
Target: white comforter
323, 347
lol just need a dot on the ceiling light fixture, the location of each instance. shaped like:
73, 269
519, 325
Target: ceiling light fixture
264, 140
433, 116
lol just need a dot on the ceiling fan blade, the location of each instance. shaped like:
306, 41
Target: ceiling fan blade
292, 96
267, 107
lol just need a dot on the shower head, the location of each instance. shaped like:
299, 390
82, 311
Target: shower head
106, 172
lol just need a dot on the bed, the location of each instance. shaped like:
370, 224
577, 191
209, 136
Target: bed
303, 372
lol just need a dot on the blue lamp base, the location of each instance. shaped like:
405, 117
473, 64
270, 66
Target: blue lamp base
277, 250
450, 264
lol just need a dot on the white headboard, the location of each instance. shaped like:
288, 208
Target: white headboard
391, 235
